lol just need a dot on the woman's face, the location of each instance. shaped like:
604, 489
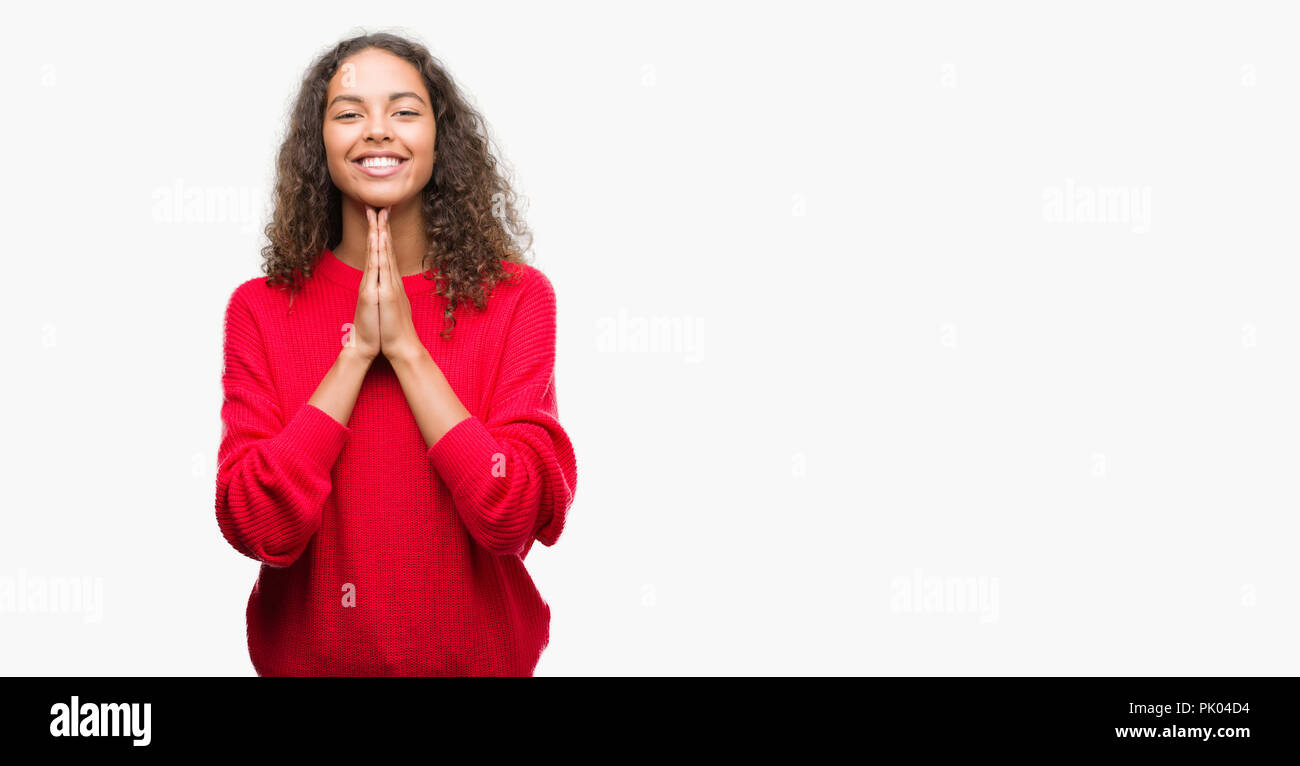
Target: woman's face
377, 105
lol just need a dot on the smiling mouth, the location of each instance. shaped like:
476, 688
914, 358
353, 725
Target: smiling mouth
379, 167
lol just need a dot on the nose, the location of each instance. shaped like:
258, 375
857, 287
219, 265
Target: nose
377, 127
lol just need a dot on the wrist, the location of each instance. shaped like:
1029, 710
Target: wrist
406, 355
351, 355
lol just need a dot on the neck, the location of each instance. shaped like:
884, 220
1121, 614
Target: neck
404, 222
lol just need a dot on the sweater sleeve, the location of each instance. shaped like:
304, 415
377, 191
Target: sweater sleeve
273, 475
513, 476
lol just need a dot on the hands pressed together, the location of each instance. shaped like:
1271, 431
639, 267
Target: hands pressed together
382, 323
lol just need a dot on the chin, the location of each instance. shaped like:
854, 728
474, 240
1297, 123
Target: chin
382, 199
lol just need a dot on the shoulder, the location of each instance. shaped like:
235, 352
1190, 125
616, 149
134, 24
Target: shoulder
525, 304
254, 295
530, 284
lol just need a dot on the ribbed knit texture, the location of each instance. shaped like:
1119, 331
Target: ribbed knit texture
380, 556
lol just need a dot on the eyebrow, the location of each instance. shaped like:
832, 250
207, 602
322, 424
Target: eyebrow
391, 98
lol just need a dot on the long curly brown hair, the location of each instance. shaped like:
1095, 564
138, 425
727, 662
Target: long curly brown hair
469, 208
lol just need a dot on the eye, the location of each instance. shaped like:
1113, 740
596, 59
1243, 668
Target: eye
354, 114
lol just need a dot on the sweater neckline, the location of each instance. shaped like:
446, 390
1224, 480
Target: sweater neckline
335, 270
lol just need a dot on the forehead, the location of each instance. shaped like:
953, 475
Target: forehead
373, 71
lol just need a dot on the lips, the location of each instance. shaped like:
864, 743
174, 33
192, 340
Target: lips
381, 165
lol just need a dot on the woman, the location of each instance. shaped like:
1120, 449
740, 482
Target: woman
388, 455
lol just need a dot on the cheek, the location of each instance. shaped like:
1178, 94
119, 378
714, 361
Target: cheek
337, 171
427, 160
337, 165
335, 149
421, 145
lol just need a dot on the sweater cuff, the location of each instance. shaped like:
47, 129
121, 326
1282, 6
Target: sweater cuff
314, 437
464, 455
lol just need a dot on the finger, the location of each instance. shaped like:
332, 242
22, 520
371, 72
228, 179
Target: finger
385, 242
390, 250
372, 244
386, 261
372, 239
385, 277
381, 279
366, 271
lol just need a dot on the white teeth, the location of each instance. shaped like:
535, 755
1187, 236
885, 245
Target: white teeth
380, 162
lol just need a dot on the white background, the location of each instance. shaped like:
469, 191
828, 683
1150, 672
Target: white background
907, 366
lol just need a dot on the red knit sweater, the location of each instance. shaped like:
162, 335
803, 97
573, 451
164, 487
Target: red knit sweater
381, 556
